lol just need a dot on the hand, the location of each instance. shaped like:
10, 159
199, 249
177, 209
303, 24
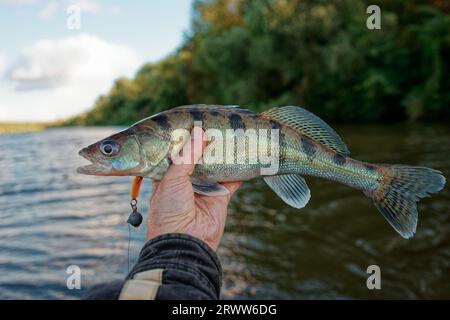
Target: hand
175, 208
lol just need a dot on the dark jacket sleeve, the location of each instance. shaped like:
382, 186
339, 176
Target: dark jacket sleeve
171, 266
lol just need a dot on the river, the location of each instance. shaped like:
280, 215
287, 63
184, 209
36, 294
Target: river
52, 218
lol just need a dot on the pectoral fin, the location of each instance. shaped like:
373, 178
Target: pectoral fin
209, 188
292, 188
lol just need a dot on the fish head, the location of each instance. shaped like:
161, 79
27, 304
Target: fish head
141, 150
117, 155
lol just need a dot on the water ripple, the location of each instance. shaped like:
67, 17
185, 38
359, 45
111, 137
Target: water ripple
51, 218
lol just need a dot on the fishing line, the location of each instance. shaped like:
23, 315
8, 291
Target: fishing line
135, 218
129, 244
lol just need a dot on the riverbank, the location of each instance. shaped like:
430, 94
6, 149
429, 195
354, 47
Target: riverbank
20, 127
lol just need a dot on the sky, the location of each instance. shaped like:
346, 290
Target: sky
58, 56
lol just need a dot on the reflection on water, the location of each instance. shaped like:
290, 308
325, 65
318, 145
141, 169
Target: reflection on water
51, 218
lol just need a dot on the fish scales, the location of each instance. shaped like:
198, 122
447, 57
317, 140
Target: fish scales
306, 157
306, 146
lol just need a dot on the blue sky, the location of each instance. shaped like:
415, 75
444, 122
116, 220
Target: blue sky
48, 71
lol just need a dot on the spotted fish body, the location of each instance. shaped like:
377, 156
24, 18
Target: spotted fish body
298, 153
307, 146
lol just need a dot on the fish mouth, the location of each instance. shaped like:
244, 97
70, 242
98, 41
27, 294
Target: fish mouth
97, 167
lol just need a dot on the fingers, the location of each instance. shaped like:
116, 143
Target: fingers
182, 171
195, 146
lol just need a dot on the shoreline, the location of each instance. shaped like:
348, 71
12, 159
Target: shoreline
22, 127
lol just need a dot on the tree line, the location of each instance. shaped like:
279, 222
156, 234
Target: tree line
318, 54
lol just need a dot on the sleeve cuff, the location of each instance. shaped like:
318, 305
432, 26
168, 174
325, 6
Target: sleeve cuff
191, 269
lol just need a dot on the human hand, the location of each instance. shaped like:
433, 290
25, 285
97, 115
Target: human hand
175, 208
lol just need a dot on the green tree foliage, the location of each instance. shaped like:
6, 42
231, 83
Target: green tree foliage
319, 54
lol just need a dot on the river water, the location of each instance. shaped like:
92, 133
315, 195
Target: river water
52, 218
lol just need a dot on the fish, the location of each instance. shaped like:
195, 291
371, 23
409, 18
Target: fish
300, 143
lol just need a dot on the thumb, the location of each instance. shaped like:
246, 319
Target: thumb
194, 147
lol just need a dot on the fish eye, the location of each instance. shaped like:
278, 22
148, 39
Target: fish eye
109, 148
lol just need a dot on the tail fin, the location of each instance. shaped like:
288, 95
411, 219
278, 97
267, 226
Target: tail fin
400, 189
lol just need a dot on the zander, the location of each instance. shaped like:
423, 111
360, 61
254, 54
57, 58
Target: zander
306, 145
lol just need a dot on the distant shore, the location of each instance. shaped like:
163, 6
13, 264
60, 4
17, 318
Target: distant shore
19, 127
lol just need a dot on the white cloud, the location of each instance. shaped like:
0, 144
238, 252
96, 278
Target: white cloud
68, 60
54, 79
48, 11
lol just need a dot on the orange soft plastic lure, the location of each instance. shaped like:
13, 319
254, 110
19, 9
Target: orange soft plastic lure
135, 218
135, 187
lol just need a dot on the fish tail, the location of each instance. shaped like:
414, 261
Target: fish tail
398, 192
394, 189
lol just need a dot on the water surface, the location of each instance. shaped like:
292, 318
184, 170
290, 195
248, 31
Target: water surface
51, 218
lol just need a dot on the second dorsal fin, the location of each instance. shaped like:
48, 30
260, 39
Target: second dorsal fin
309, 124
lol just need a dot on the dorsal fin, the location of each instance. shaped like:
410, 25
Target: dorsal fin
213, 107
308, 124
206, 107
